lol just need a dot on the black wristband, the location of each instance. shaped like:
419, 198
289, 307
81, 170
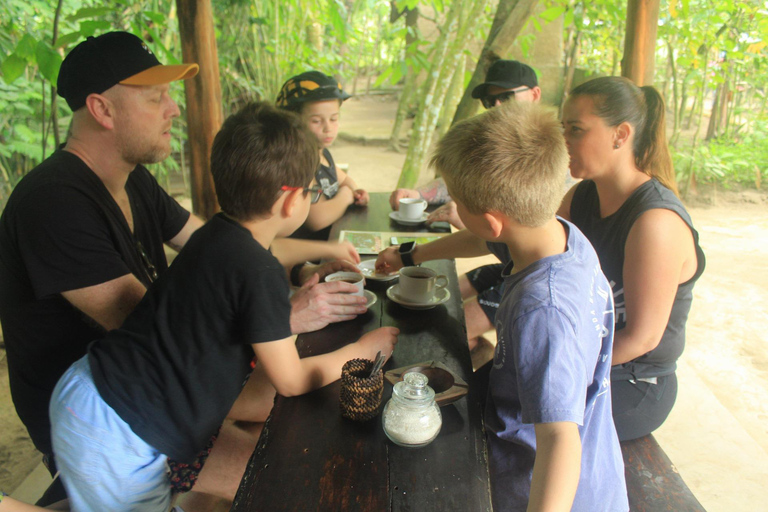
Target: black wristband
406, 254
295, 271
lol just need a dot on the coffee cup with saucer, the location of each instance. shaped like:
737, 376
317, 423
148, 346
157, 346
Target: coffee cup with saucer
419, 288
356, 279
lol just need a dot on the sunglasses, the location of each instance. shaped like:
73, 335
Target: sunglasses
149, 267
315, 191
490, 100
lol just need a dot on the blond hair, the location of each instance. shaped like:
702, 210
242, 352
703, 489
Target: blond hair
511, 159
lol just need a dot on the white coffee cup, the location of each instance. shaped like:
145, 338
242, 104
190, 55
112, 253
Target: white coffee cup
348, 277
419, 284
411, 208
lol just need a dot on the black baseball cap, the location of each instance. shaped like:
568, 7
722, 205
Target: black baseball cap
309, 86
99, 63
507, 74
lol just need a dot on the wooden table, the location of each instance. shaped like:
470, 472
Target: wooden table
310, 458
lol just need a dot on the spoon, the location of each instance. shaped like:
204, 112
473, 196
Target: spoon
377, 363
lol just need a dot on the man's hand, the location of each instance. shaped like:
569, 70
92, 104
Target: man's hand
389, 260
361, 197
316, 305
402, 193
382, 339
308, 271
446, 213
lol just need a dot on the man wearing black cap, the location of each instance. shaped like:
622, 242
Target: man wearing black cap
481, 288
82, 235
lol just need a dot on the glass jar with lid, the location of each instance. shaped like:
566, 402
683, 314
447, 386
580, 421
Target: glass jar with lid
411, 417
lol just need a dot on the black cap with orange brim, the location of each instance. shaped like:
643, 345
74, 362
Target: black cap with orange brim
99, 63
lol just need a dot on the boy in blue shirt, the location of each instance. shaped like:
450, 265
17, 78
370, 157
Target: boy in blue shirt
161, 385
551, 438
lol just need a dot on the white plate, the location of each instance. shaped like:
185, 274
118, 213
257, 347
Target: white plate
370, 297
395, 216
441, 296
368, 269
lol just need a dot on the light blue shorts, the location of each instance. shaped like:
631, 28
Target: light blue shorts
103, 464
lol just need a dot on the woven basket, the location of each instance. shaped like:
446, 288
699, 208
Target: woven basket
360, 395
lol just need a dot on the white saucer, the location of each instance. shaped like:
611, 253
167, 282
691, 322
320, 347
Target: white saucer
441, 296
395, 216
370, 297
368, 269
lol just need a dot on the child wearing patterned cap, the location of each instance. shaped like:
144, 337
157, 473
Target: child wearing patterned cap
317, 98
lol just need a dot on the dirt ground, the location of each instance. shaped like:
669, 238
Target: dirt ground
726, 358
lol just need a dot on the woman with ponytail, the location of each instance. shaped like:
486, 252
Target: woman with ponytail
627, 206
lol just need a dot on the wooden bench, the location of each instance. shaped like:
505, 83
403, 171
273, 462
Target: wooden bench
653, 483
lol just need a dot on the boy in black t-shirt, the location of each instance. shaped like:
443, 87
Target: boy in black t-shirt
164, 382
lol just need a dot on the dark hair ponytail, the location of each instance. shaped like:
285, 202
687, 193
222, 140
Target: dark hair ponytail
651, 148
617, 100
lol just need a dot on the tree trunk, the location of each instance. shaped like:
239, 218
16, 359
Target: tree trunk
714, 116
452, 99
54, 96
692, 114
510, 17
673, 80
412, 166
402, 111
573, 59
640, 41
203, 94
411, 25
463, 14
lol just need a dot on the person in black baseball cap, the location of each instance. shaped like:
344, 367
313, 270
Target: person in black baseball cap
99, 63
317, 98
482, 287
82, 235
507, 79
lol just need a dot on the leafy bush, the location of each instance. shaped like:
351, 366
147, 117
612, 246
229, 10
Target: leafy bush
743, 161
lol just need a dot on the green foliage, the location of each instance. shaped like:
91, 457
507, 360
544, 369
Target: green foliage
743, 162
262, 42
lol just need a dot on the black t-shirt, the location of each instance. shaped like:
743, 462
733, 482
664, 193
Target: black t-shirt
327, 179
61, 230
176, 366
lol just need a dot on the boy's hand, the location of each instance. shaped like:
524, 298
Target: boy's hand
446, 213
361, 197
402, 193
343, 251
389, 260
382, 339
316, 304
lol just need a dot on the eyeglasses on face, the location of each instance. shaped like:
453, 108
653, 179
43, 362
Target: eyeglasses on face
490, 100
315, 191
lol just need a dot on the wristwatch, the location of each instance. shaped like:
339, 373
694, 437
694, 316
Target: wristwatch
406, 253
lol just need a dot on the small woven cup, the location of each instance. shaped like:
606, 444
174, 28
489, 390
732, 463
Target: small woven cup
360, 395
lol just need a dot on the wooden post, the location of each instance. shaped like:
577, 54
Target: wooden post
203, 93
640, 41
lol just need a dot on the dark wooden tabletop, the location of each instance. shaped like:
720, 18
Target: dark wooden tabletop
310, 458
